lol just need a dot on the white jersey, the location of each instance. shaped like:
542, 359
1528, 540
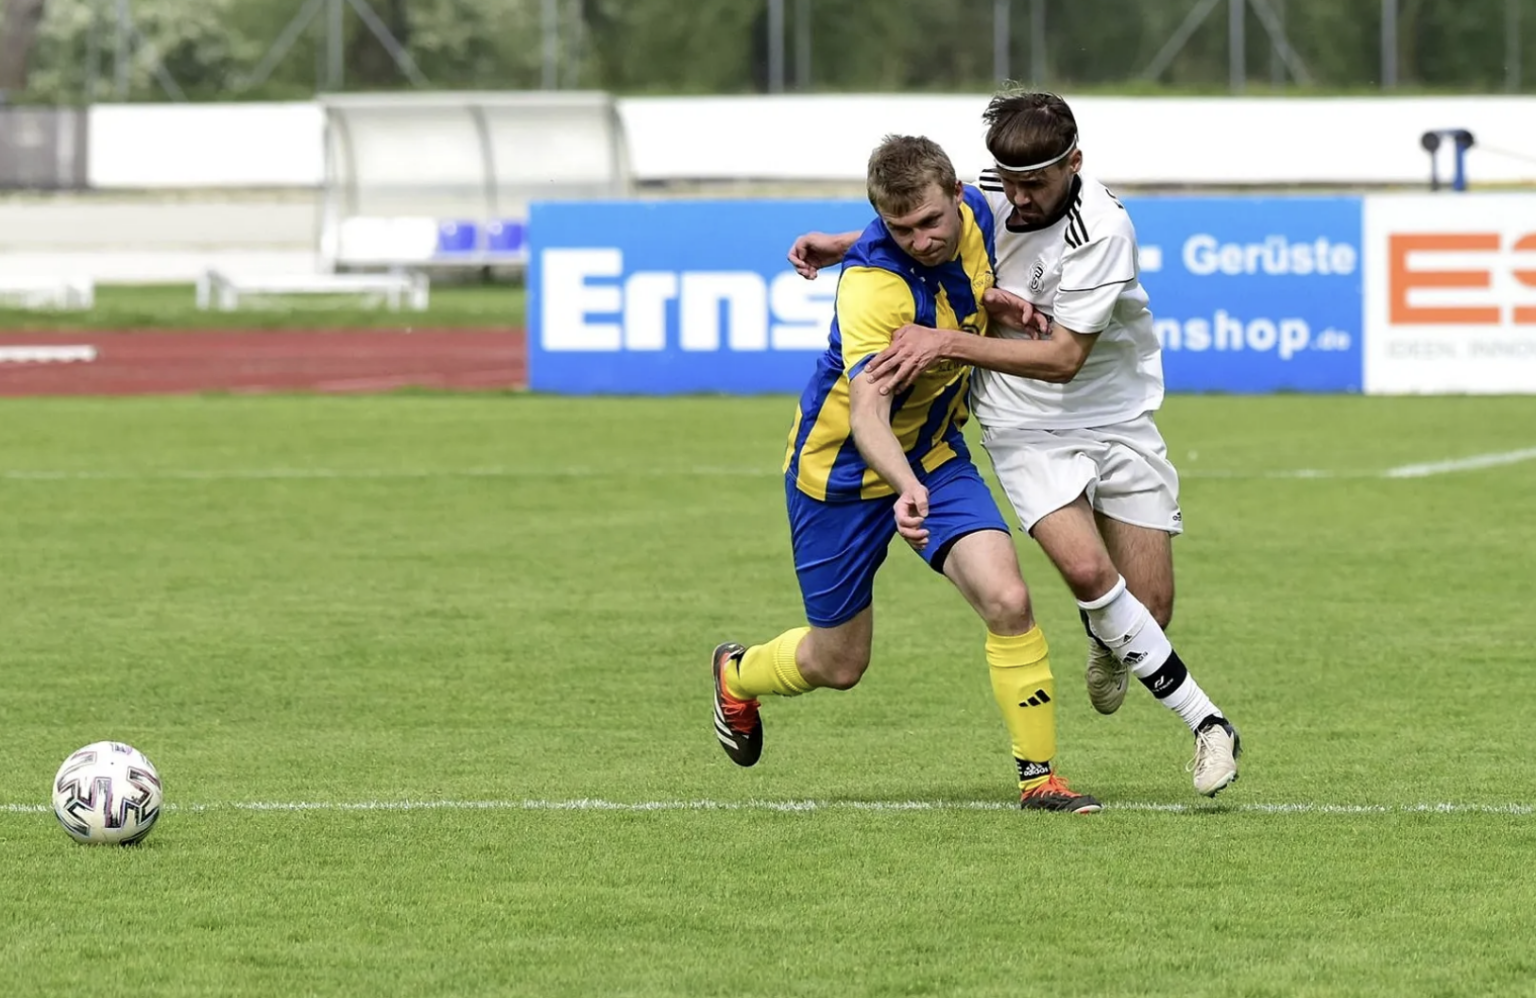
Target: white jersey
1081, 270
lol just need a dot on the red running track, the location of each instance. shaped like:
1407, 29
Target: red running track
161, 363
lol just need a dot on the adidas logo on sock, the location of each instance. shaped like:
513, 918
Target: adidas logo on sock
1032, 770
1037, 700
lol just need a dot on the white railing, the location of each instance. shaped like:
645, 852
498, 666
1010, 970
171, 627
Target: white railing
225, 292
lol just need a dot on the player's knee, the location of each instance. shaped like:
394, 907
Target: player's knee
842, 668
839, 667
1089, 576
1006, 608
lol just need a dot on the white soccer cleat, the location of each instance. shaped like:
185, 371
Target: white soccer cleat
1108, 678
1217, 747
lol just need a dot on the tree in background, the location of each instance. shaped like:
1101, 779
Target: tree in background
720, 46
369, 64
18, 36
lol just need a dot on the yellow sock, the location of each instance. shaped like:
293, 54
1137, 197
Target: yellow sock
769, 668
1026, 693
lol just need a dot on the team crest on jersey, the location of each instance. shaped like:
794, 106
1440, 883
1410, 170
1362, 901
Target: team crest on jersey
1037, 278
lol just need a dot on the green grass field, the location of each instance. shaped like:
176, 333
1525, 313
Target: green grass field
456, 645
174, 306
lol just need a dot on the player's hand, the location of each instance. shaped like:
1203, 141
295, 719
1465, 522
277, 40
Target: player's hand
1011, 310
813, 251
911, 511
913, 350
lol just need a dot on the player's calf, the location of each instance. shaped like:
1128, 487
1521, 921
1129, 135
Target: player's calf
1128, 630
836, 666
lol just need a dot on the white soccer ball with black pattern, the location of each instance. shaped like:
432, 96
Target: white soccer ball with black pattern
107, 793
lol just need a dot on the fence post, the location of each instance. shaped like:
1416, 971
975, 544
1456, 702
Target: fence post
1388, 44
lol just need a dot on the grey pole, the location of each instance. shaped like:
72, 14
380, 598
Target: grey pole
1388, 44
391, 44
1512, 73
1037, 67
1276, 59
575, 49
550, 19
120, 65
1276, 31
336, 65
1237, 51
93, 53
1000, 39
803, 45
776, 46
1175, 43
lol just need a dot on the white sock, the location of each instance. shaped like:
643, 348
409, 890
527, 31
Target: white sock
1126, 626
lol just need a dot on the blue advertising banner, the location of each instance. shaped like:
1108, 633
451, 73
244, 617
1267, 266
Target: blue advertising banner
657, 298
644, 297
1254, 294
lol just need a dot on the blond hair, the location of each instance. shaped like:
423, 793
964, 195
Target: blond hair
902, 169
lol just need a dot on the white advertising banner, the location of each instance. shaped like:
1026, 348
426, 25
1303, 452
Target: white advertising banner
1450, 294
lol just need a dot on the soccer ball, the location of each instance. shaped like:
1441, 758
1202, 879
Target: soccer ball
107, 794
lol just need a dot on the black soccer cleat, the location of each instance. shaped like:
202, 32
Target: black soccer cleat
1055, 795
737, 722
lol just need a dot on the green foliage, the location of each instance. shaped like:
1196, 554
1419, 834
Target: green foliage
192, 41
508, 599
720, 46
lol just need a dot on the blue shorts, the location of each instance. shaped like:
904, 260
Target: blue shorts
840, 545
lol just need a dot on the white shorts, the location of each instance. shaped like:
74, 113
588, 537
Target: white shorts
1123, 468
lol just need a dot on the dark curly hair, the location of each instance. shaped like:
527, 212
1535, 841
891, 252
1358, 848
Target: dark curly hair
1027, 127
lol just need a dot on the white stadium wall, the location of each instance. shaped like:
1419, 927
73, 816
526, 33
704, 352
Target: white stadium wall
180, 146
1258, 141
1128, 141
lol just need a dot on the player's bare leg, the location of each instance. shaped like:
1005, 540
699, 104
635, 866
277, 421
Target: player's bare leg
984, 566
1145, 557
1070, 538
837, 657
1072, 531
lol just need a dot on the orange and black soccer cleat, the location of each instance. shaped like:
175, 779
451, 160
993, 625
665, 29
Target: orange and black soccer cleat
1055, 795
737, 722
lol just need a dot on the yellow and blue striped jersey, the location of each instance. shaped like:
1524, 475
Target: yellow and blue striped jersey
882, 289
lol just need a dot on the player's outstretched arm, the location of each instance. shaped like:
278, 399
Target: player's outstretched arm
869, 417
815, 250
1056, 357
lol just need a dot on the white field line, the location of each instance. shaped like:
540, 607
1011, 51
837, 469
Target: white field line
799, 806
1473, 463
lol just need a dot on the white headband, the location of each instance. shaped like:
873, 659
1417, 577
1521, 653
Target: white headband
1039, 166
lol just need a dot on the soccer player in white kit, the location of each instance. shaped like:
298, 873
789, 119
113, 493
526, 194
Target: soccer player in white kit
1065, 399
